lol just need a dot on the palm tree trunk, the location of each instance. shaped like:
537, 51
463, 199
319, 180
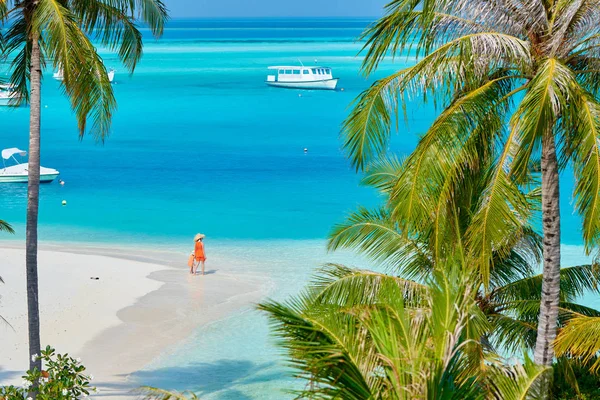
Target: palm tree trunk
33, 200
544, 347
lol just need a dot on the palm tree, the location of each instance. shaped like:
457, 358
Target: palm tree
58, 32
323, 329
521, 75
397, 349
512, 299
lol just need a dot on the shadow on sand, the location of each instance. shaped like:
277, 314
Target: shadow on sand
220, 378
6, 375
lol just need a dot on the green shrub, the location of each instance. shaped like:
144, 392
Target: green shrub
588, 382
62, 378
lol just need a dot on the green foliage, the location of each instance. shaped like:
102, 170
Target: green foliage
373, 344
587, 384
63, 30
512, 71
5, 226
580, 339
63, 378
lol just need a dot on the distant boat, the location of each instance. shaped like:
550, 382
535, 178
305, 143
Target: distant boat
7, 93
19, 171
58, 75
302, 78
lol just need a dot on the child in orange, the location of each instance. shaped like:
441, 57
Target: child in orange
199, 255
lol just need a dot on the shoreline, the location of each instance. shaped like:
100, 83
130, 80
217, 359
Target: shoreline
143, 305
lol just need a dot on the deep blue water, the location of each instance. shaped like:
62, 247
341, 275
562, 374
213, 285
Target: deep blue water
199, 143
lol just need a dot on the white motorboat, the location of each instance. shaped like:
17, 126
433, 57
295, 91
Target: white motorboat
58, 75
19, 171
7, 93
302, 78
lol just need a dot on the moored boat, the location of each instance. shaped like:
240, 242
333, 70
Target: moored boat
302, 77
19, 172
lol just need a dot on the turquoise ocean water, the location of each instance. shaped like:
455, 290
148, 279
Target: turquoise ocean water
199, 143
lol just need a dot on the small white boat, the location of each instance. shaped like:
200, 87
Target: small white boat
19, 171
58, 75
7, 93
302, 78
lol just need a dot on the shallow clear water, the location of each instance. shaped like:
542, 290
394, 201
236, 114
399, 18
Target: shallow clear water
199, 143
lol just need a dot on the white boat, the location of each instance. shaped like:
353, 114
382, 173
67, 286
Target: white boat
58, 75
19, 171
7, 93
302, 77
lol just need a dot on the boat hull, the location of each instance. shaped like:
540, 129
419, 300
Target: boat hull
45, 178
19, 174
327, 84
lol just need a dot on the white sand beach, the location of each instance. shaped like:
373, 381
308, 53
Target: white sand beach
138, 308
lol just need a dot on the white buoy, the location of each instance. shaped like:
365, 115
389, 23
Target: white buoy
64, 202
305, 150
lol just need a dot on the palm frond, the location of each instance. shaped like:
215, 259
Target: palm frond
574, 282
85, 78
15, 40
512, 334
582, 136
410, 24
5, 227
114, 27
325, 351
374, 234
153, 12
519, 382
498, 219
383, 174
114, 23
580, 339
346, 287
547, 95
366, 132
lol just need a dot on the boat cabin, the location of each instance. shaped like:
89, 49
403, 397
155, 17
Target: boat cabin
299, 74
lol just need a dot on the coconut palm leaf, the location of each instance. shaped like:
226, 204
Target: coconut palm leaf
85, 78
580, 339
574, 283
422, 25
520, 382
582, 132
512, 334
324, 349
114, 24
365, 132
445, 157
497, 220
5, 227
383, 174
347, 287
374, 234
546, 96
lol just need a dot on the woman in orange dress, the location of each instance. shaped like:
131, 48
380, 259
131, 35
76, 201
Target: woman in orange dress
199, 255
